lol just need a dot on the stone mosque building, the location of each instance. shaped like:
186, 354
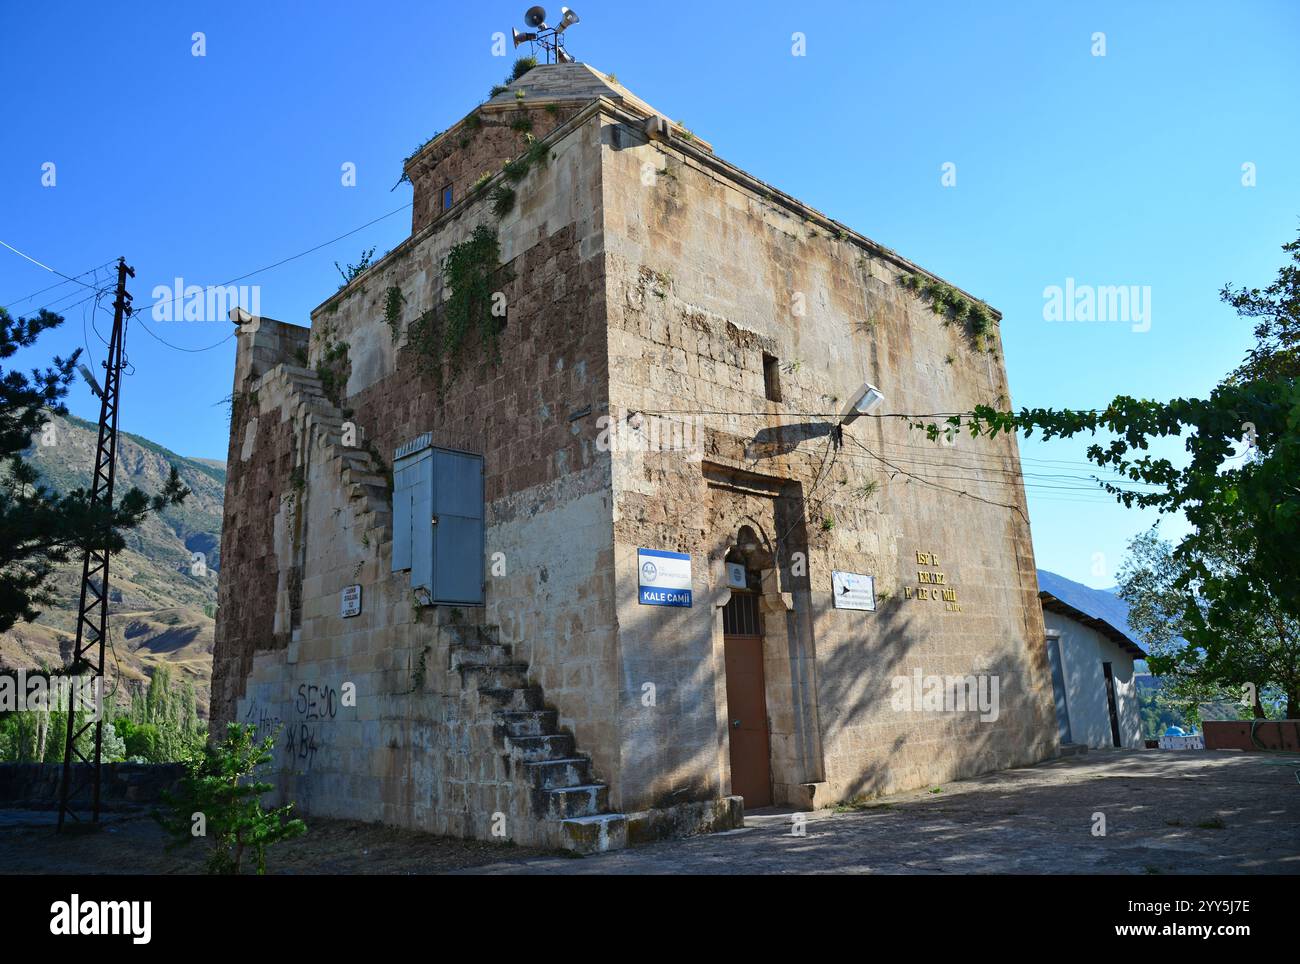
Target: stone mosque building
577, 518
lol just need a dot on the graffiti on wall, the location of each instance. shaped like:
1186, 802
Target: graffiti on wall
314, 706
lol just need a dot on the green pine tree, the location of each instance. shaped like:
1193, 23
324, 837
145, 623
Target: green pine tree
219, 800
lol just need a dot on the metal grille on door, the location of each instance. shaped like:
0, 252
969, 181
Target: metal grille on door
740, 616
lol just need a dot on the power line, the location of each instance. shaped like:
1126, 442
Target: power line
1022, 475
937, 485
256, 271
59, 284
41, 264
1030, 481
148, 331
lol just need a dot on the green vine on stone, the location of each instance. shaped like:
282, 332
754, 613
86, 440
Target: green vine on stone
355, 270
332, 366
471, 274
503, 200
953, 306
393, 302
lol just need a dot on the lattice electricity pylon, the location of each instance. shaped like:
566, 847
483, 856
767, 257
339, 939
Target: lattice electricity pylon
92, 611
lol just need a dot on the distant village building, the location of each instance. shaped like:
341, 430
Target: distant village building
1093, 678
559, 524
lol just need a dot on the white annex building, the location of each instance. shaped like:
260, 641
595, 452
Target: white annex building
1093, 678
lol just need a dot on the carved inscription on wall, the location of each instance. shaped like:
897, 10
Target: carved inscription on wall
932, 584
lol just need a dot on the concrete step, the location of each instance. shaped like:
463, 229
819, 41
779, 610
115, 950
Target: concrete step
595, 834
523, 698
552, 746
470, 634
359, 477
528, 722
367, 490
495, 676
587, 800
558, 774
480, 654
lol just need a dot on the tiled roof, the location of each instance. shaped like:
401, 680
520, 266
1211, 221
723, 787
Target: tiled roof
1096, 608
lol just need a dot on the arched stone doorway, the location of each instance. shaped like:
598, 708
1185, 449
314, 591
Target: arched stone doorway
748, 727
751, 522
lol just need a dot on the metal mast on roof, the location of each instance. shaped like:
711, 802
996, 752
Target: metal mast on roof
551, 39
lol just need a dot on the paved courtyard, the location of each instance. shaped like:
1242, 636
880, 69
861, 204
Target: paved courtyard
1165, 813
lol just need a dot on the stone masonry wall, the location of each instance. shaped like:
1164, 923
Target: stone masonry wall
416, 749
259, 465
476, 146
709, 271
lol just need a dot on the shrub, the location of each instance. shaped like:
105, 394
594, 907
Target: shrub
218, 800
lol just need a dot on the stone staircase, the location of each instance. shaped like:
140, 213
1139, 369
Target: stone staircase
321, 424
543, 759
573, 807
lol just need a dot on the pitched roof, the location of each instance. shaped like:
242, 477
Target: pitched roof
571, 83
1095, 608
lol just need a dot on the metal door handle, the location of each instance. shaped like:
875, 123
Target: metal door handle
735, 723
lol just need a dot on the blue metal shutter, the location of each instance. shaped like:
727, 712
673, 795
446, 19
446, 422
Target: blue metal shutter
421, 523
401, 515
458, 532
406, 480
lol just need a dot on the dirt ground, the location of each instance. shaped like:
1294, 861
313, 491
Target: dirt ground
1165, 813
132, 843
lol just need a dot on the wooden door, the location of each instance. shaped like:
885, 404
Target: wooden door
751, 767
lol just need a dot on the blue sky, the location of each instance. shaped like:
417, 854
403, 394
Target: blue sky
1117, 170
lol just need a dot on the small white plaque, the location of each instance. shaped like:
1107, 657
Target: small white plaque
350, 601
735, 575
853, 590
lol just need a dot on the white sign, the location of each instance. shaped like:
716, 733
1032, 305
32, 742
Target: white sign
853, 590
1194, 742
350, 601
735, 575
663, 578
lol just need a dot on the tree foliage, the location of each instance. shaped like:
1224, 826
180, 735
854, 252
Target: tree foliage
1154, 582
1239, 567
219, 797
160, 724
41, 528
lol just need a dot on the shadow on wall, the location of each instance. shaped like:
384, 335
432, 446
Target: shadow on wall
911, 747
900, 748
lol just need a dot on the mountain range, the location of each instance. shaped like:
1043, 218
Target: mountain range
162, 587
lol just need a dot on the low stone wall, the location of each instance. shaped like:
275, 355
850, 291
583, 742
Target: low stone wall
1236, 735
35, 786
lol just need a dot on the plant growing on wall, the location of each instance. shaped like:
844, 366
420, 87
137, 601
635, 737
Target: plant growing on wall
953, 307
404, 179
503, 200
393, 302
332, 366
353, 270
470, 273
521, 67
218, 796
536, 154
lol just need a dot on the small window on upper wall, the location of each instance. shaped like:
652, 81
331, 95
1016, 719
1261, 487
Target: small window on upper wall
771, 377
446, 198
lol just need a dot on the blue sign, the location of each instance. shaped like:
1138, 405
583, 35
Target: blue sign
664, 578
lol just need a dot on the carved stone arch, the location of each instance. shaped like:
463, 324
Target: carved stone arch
752, 546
